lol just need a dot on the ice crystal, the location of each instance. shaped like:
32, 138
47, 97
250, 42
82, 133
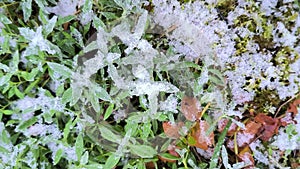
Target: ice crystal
42, 130
65, 7
36, 39
170, 104
258, 154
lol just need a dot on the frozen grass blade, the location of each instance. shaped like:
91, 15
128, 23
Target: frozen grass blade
215, 158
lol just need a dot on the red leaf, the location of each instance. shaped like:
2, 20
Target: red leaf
190, 107
198, 133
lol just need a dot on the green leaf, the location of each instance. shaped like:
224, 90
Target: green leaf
101, 93
31, 86
41, 5
27, 123
109, 15
67, 130
7, 112
109, 135
76, 94
62, 20
4, 67
48, 28
30, 76
3, 150
79, 146
5, 79
57, 156
112, 161
216, 72
215, 80
26, 8
97, 23
67, 96
85, 158
18, 93
87, 6
215, 158
4, 19
5, 137
77, 35
108, 111
61, 69
90, 47
95, 101
169, 156
60, 89
143, 151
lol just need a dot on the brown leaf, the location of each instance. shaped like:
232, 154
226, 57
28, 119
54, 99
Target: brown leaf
190, 107
293, 107
202, 140
150, 165
172, 129
252, 127
246, 156
270, 126
246, 136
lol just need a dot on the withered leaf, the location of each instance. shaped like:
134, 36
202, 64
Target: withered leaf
198, 133
252, 127
246, 156
190, 107
270, 126
172, 129
244, 137
293, 107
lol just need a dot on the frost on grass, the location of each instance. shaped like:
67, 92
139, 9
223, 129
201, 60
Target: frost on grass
257, 147
36, 41
65, 7
187, 30
43, 102
68, 151
170, 104
42, 130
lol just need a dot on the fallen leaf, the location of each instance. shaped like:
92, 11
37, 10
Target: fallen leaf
199, 136
252, 127
246, 136
190, 107
150, 165
270, 126
293, 107
172, 129
246, 157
